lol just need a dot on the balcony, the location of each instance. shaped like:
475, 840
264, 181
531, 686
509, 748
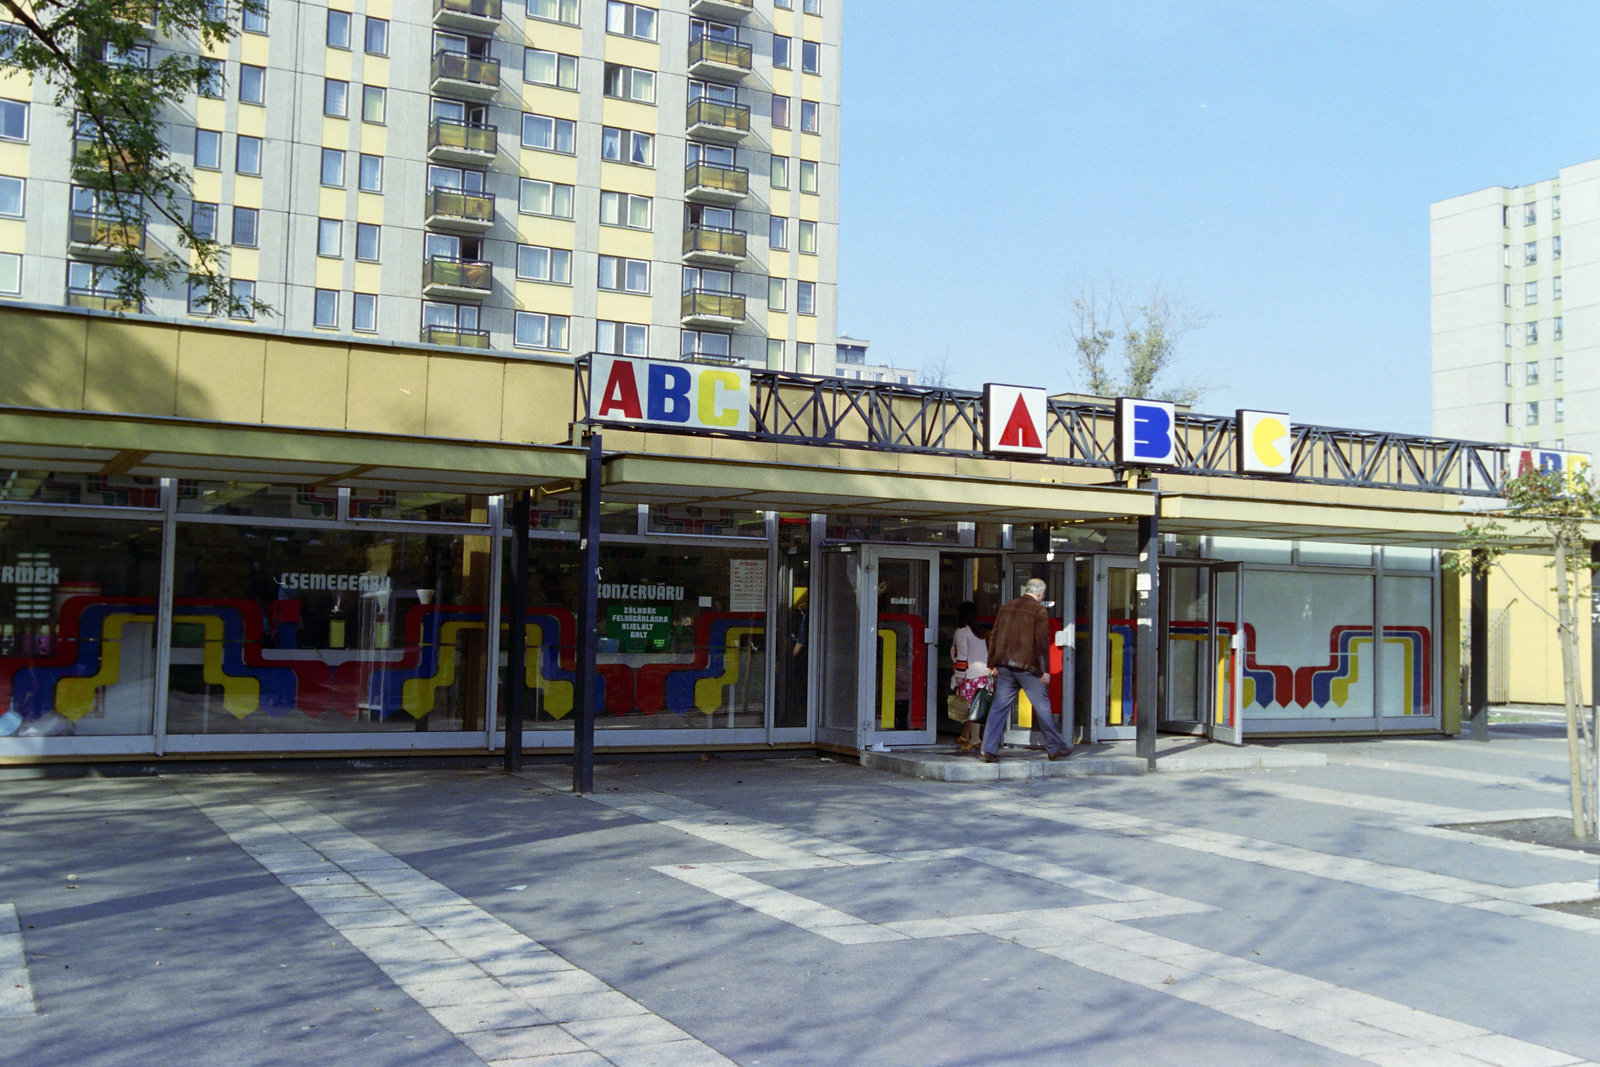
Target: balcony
709, 307
449, 335
727, 10
708, 120
463, 212
472, 143
456, 279
103, 236
713, 183
464, 77
718, 60
100, 301
713, 245
474, 16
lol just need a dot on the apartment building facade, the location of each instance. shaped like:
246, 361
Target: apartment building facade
1516, 312
565, 177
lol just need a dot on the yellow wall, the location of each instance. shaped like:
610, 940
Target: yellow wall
1524, 584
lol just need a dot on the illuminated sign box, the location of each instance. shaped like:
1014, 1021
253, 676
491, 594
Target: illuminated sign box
1014, 419
1147, 433
683, 396
1265, 443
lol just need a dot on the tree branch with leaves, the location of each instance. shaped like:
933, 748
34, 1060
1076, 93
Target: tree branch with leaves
1151, 330
117, 64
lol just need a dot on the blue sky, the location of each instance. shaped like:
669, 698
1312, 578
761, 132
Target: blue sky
1272, 162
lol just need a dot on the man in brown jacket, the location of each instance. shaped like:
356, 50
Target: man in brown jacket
1019, 658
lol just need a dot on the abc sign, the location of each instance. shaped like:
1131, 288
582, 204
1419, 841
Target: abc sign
1147, 433
1265, 443
684, 396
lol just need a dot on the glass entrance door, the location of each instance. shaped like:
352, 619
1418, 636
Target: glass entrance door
1187, 639
1227, 656
900, 631
1113, 619
1059, 574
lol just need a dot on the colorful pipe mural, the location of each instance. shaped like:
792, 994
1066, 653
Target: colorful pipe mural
1268, 684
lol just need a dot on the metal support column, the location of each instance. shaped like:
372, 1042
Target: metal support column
588, 620
517, 648
1478, 648
1147, 657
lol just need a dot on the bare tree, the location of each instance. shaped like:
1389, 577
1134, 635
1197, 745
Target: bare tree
1150, 329
938, 373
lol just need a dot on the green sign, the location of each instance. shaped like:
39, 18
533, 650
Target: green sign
639, 627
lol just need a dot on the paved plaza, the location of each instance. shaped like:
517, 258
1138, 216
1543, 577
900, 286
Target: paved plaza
803, 912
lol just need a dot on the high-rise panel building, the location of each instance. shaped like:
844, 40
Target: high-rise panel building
570, 176
1516, 312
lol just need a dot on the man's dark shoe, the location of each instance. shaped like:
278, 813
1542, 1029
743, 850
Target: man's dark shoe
1053, 756
987, 758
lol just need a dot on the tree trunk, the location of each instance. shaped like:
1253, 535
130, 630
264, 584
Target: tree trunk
1569, 678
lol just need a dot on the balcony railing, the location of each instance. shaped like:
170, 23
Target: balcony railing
462, 141
462, 210
713, 181
712, 120
714, 244
733, 10
723, 59
702, 306
449, 335
105, 232
471, 277
472, 76
100, 301
466, 14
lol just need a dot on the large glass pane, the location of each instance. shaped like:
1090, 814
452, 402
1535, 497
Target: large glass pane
258, 500
900, 689
1334, 554
1122, 628
681, 634
892, 528
1187, 622
60, 487
1308, 641
1407, 645
327, 631
1082, 640
1225, 701
1251, 549
721, 522
840, 619
403, 506
794, 619
77, 625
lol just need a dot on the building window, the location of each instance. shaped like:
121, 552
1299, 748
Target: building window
707, 280
535, 330
367, 241
776, 294
1530, 215
808, 116
805, 298
1508, 295
1532, 372
1533, 413
550, 68
1530, 253
1556, 369
538, 197
1508, 375
335, 97
1508, 414
1560, 414
373, 101
208, 149
536, 263
364, 313
200, 298
325, 309
370, 179
90, 278
244, 297
1555, 329
783, 5
247, 158
1508, 339
812, 7
1555, 288
630, 20
624, 275
554, 11
630, 83
377, 31
252, 84
625, 209
13, 120
774, 354
12, 197
808, 237
780, 52
1530, 293
338, 29
621, 338
254, 20
202, 218
808, 176
803, 353
627, 146
330, 237
333, 168
452, 318
780, 172
550, 134
244, 226
1555, 206
778, 232
780, 112
211, 79
703, 344
1555, 248
1505, 255
810, 56
1530, 333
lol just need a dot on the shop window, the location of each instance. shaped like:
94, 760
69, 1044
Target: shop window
1328, 553
1251, 550
706, 522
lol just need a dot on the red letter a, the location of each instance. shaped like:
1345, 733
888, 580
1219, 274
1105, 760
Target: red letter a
621, 392
1020, 431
